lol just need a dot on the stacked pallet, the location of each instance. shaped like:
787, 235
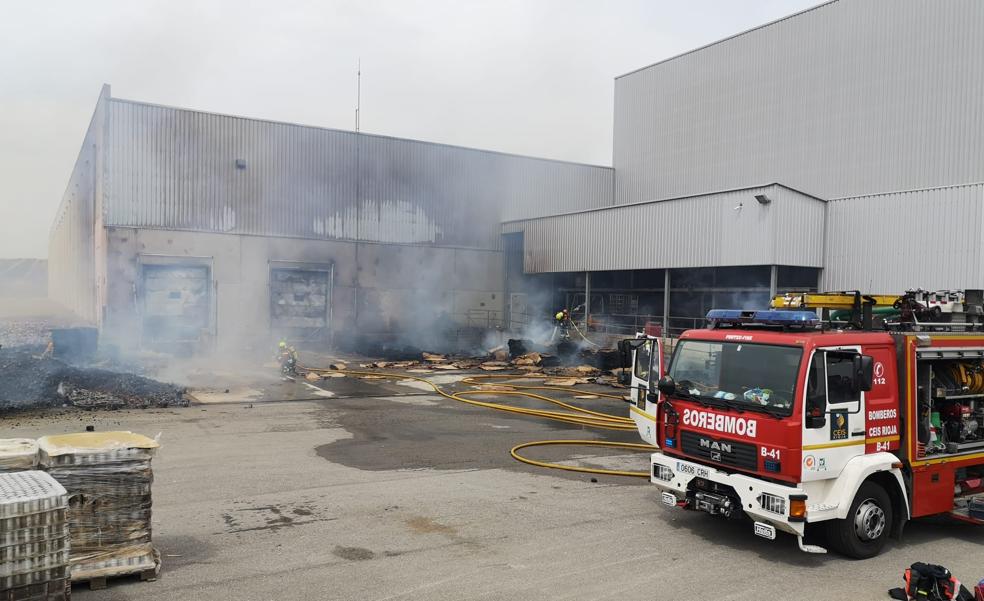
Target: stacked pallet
108, 478
34, 538
18, 454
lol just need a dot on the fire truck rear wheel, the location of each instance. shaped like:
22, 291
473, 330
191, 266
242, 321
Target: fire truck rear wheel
865, 531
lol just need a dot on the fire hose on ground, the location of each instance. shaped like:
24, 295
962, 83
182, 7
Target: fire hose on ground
574, 415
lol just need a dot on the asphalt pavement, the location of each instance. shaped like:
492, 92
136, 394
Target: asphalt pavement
377, 490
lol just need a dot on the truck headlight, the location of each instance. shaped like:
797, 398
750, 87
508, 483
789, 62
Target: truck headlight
772, 503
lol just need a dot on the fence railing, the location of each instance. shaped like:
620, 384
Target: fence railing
625, 325
484, 318
630, 324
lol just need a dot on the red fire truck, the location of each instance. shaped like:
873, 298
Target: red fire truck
792, 420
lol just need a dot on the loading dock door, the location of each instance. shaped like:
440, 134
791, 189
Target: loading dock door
299, 302
176, 304
519, 316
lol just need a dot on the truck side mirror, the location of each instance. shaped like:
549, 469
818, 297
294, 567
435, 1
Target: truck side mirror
666, 385
864, 373
625, 348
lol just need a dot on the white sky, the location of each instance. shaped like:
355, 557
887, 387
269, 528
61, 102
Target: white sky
525, 76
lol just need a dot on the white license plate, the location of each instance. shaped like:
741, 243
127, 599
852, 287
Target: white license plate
669, 499
765, 530
693, 470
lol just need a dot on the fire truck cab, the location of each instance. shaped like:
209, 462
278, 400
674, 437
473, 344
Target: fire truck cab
777, 417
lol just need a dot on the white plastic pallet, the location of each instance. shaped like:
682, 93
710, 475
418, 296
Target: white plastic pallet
30, 492
34, 564
34, 533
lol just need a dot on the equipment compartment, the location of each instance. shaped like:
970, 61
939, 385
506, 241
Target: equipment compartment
950, 388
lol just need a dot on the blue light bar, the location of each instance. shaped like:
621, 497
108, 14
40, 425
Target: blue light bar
730, 316
787, 318
767, 317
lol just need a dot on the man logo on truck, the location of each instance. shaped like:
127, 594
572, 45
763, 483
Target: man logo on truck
715, 445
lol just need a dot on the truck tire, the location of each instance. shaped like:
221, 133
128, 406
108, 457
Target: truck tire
865, 531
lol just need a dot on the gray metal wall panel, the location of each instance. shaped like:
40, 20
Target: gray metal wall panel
175, 169
888, 243
74, 270
851, 97
798, 229
701, 231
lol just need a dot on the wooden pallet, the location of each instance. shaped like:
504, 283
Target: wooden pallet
146, 574
100, 582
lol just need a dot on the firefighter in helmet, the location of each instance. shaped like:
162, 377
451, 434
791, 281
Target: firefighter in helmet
287, 356
562, 325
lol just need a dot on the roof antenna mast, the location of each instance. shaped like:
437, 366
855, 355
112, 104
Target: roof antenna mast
358, 93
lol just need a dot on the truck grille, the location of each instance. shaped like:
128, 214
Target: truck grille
728, 452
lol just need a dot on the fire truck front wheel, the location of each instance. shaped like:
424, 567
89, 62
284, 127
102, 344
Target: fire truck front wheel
865, 531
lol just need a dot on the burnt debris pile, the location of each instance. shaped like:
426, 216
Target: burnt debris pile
31, 379
500, 359
566, 353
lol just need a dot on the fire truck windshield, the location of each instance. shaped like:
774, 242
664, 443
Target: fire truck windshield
741, 375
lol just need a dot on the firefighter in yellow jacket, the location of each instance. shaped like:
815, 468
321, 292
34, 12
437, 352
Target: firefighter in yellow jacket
288, 359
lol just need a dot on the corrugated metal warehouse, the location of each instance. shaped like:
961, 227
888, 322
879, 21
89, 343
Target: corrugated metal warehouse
180, 226
870, 107
841, 147
849, 98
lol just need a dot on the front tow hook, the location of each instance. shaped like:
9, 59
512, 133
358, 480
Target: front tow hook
808, 548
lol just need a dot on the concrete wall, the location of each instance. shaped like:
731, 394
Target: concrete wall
375, 290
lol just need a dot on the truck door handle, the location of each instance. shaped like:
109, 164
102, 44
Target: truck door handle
861, 433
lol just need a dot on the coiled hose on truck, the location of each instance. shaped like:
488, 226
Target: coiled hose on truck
574, 415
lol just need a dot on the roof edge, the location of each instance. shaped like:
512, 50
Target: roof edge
910, 190
730, 37
659, 200
356, 133
105, 96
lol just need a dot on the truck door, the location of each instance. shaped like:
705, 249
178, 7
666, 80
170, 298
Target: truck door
647, 367
834, 416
